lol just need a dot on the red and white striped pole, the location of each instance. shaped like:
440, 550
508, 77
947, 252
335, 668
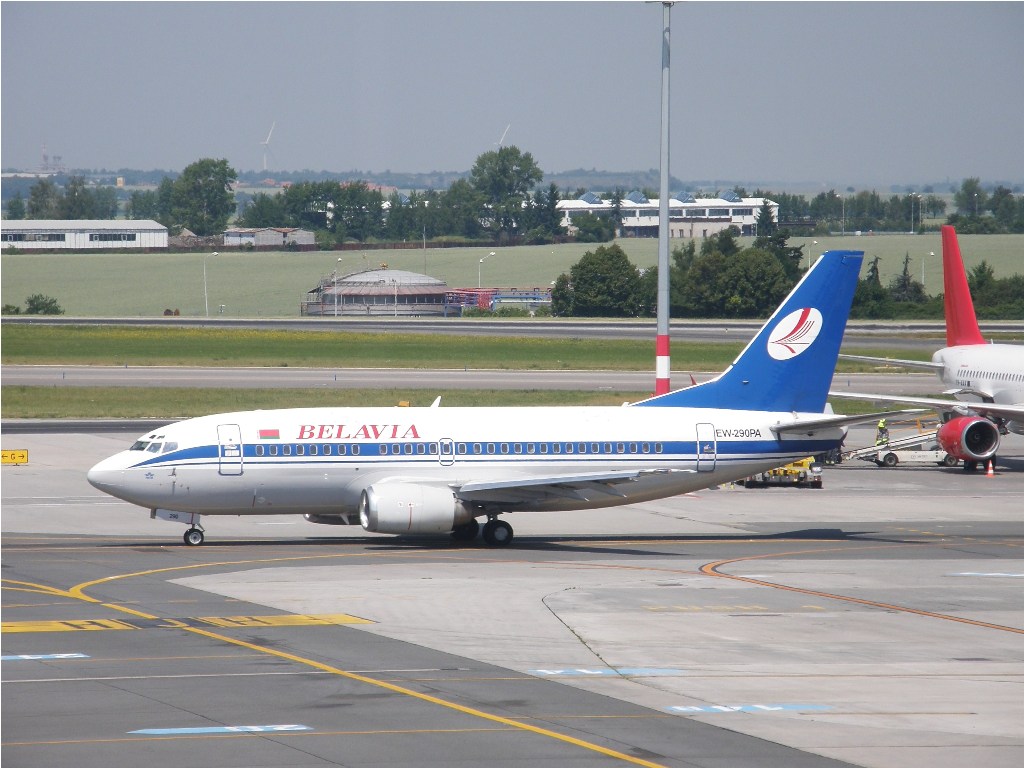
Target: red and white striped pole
662, 362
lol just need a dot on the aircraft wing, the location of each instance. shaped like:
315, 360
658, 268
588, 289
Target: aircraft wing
1005, 411
921, 364
581, 487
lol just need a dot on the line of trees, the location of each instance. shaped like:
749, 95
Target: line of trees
500, 200
728, 281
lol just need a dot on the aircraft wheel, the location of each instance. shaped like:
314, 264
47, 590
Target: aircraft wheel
193, 537
497, 533
466, 532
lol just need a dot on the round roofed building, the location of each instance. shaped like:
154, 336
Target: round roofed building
382, 291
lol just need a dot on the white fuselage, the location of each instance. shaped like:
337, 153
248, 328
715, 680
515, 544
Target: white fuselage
318, 461
985, 373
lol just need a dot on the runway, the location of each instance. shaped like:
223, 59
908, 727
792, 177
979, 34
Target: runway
437, 380
876, 622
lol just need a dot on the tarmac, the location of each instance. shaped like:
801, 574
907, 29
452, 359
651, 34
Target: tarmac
876, 622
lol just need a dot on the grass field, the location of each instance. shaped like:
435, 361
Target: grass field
272, 284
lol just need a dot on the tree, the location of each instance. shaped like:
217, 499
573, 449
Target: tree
143, 204
871, 299
263, 211
203, 199
44, 200
38, 304
16, 207
591, 228
904, 288
504, 178
603, 283
971, 199
766, 224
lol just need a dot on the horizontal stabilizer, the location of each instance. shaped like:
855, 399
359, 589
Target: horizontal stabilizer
814, 424
919, 364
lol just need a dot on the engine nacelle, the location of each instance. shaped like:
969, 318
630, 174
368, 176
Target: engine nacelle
969, 438
347, 519
411, 508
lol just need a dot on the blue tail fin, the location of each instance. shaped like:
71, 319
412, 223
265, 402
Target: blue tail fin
789, 364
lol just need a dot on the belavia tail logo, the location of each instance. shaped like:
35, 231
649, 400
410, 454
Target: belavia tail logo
794, 333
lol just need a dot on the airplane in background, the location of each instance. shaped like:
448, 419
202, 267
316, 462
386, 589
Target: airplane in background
437, 470
987, 380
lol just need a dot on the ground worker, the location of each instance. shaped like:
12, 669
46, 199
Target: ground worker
883, 433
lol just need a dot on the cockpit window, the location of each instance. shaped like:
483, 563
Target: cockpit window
153, 448
140, 445
170, 446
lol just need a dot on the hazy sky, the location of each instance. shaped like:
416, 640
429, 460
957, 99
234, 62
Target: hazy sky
831, 92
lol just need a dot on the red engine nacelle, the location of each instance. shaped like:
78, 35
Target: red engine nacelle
969, 438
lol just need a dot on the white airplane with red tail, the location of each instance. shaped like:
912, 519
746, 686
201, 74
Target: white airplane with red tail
987, 380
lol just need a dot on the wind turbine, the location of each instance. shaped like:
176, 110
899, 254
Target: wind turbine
503, 135
266, 144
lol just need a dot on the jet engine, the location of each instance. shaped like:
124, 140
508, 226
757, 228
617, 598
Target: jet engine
411, 508
969, 438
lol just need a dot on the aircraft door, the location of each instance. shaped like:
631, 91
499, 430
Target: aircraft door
446, 451
707, 447
229, 439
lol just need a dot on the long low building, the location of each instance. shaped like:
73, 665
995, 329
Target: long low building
688, 216
55, 234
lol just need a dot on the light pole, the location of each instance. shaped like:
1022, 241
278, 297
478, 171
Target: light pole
932, 254
206, 296
814, 246
336, 296
479, 269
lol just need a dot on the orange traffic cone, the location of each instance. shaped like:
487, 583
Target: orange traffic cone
991, 470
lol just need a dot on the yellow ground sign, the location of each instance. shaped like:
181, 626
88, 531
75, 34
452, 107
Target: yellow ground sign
17, 456
225, 622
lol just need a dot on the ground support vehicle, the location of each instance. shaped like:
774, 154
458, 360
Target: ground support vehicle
916, 449
806, 472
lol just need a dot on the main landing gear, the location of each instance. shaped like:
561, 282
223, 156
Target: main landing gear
496, 533
194, 537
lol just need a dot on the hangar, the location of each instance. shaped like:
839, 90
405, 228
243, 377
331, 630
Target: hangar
377, 292
269, 238
59, 234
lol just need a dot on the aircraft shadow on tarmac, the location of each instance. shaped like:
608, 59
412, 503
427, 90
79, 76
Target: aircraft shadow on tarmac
604, 544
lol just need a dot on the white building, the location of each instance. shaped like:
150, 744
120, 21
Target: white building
688, 217
268, 237
52, 234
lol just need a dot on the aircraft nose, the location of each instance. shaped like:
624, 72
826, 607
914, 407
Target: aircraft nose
106, 476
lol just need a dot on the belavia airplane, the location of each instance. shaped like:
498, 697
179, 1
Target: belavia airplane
437, 470
987, 379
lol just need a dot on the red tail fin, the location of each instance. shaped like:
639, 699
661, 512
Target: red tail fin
961, 322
